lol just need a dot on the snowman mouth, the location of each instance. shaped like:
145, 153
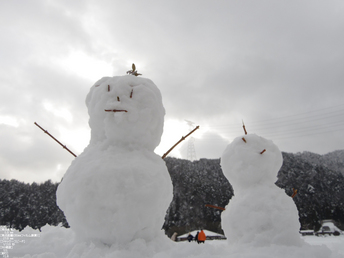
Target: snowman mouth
115, 110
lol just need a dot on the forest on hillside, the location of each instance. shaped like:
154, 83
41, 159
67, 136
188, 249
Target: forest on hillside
318, 179
32, 205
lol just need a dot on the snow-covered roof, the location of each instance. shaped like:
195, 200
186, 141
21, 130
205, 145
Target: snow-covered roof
331, 225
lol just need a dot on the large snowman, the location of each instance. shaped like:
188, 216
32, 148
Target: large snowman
260, 213
118, 189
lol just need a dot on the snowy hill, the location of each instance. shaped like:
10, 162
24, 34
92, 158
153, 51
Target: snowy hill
319, 184
333, 160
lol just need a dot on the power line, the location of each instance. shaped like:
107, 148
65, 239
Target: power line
290, 118
307, 134
316, 122
302, 128
304, 113
303, 120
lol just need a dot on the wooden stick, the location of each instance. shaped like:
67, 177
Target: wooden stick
243, 126
215, 207
182, 139
64, 146
115, 110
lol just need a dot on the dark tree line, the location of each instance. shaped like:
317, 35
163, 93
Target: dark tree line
320, 189
196, 185
320, 194
32, 205
319, 185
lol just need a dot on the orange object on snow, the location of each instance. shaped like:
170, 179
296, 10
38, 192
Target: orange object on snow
201, 236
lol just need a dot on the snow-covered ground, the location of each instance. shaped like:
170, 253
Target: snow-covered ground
56, 242
334, 243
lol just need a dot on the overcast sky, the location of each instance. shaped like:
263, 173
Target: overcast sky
276, 65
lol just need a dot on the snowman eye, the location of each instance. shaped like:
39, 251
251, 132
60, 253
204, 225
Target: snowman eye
118, 99
108, 87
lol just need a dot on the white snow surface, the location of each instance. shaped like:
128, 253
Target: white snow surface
118, 189
59, 242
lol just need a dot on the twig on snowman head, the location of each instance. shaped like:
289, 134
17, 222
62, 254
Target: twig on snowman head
263, 151
182, 139
243, 126
133, 71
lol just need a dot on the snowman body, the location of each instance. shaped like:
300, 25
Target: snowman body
118, 189
259, 213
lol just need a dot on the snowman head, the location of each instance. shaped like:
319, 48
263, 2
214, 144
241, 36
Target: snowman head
251, 161
126, 111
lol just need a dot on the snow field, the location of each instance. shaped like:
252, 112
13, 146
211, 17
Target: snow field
59, 242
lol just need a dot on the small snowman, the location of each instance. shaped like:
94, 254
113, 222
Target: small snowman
259, 213
118, 189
